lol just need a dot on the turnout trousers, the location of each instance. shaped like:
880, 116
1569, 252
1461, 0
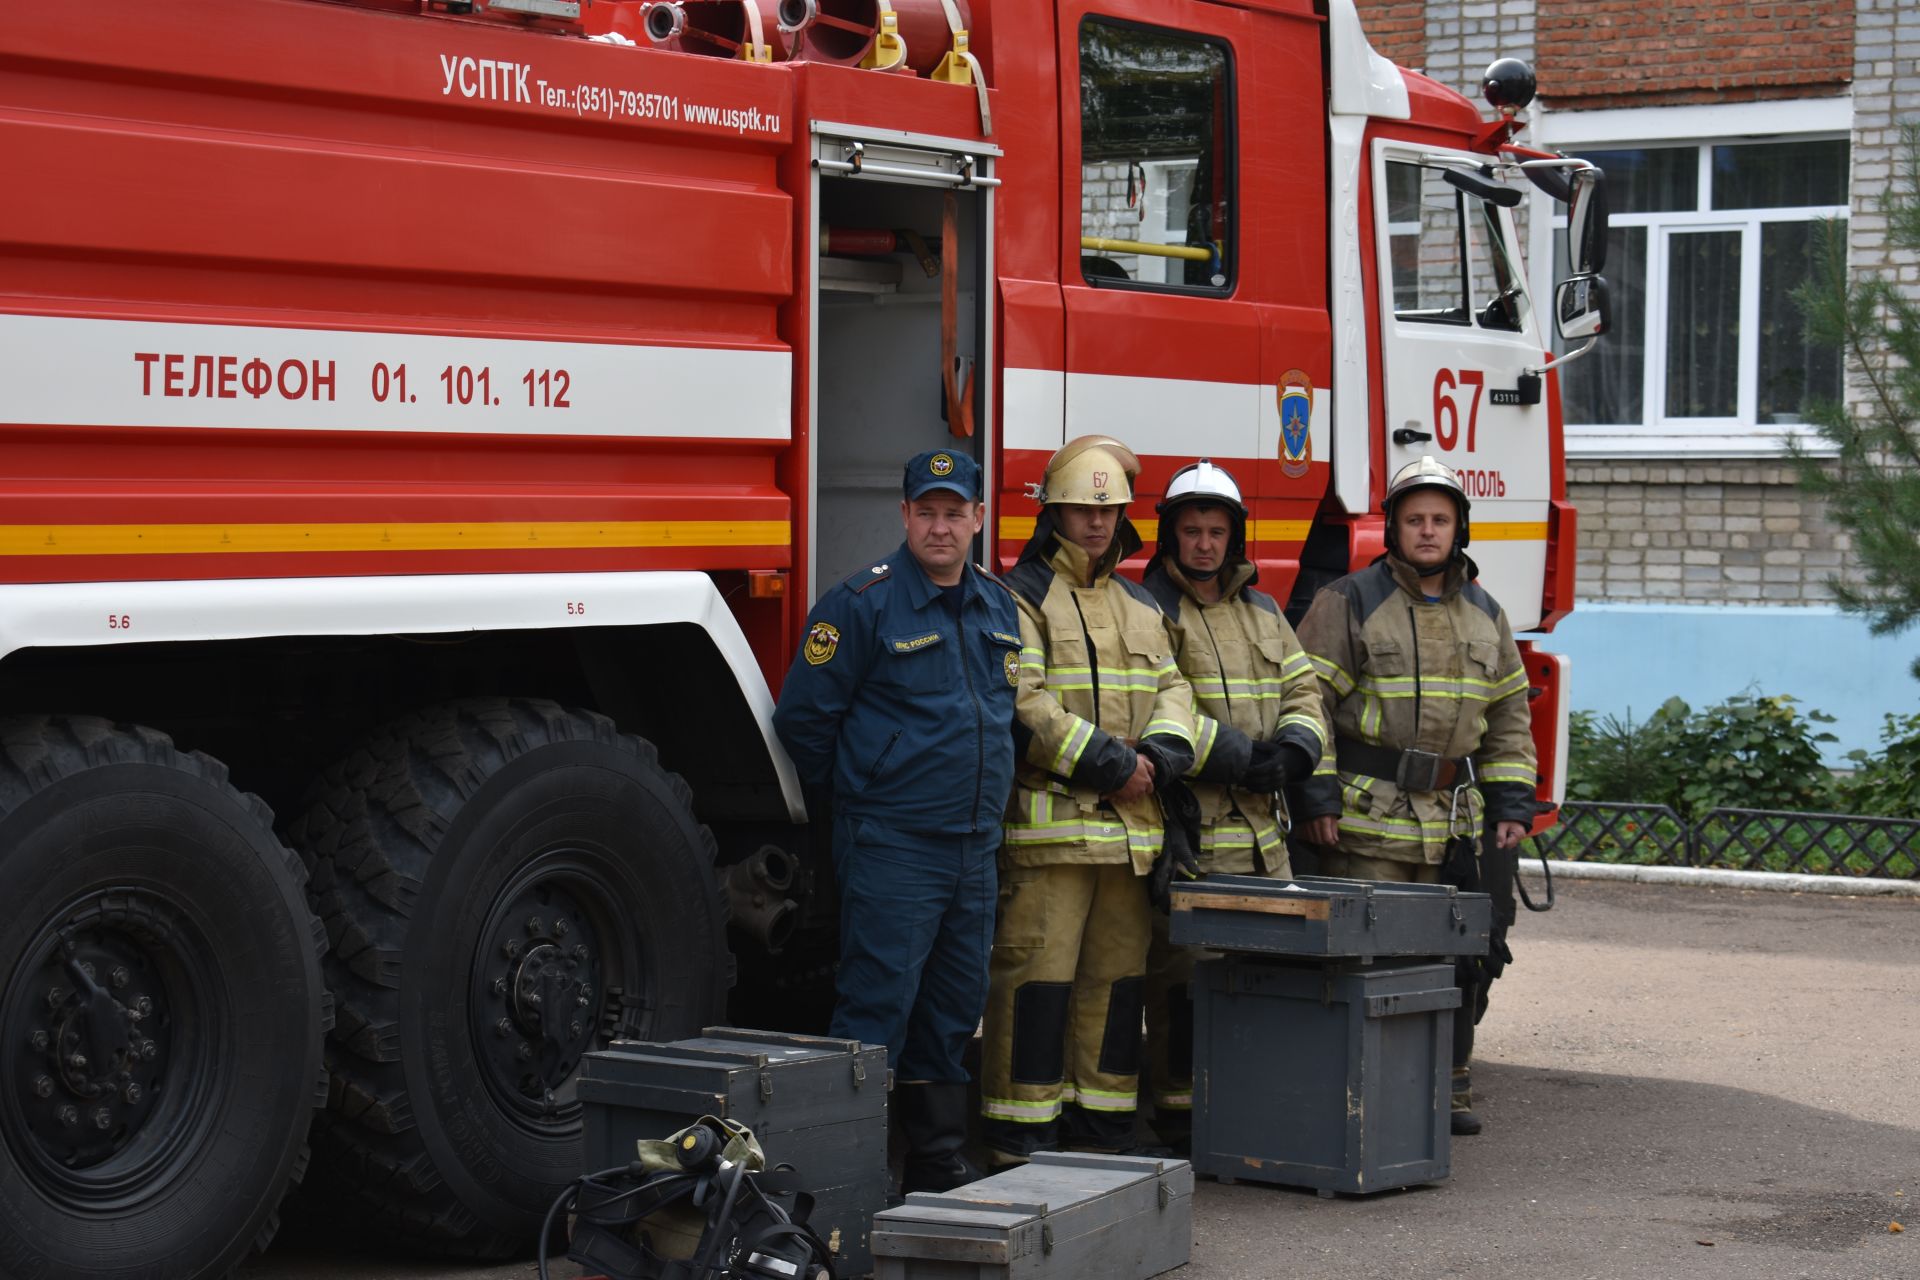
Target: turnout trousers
1062, 1060
916, 926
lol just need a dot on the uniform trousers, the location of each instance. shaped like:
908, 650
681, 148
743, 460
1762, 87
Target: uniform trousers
916, 927
1062, 1061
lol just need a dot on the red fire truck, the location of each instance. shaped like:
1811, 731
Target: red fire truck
425, 423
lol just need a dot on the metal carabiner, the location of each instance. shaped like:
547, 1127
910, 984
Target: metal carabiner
1453, 812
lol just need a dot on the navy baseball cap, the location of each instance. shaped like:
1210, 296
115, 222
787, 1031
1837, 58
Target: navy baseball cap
942, 469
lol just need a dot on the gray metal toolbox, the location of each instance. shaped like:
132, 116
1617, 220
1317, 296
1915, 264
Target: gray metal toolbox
1333, 1077
819, 1105
1318, 917
1061, 1217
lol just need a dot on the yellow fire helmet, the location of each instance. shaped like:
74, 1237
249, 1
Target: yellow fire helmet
1090, 471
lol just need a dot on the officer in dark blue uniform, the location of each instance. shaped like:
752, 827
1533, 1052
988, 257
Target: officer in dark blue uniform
901, 702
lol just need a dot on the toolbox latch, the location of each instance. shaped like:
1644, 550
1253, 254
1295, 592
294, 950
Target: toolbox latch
1166, 1194
766, 1086
1046, 1237
859, 1073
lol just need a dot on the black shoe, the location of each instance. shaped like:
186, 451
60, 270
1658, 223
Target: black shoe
1465, 1124
934, 1119
1177, 1144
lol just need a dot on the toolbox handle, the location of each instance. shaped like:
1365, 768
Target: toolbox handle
1413, 1002
1306, 908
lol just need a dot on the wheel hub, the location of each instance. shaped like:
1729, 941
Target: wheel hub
536, 1011
94, 1082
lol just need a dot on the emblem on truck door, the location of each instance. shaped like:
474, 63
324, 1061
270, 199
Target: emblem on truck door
1296, 423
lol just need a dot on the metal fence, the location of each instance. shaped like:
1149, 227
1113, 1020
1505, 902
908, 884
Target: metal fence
1745, 839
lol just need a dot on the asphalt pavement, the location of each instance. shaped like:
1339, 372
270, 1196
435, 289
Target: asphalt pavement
1676, 1081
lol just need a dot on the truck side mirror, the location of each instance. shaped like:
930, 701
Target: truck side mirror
1587, 222
1581, 308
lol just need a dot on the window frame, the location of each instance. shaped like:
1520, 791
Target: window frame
1701, 129
1230, 182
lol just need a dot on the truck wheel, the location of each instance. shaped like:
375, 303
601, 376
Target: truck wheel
506, 885
161, 1007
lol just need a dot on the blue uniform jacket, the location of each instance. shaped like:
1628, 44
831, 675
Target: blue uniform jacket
904, 712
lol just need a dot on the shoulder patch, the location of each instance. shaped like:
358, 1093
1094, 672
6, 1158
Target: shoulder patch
823, 641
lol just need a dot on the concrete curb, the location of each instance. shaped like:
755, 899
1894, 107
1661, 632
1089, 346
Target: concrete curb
1722, 878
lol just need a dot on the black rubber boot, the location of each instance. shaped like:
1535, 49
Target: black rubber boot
934, 1119
1175, 1130
1463, 1122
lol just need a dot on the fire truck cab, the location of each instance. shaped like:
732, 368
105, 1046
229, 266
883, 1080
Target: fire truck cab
424, 425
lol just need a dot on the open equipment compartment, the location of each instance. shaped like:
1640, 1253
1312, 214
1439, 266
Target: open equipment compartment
878, 396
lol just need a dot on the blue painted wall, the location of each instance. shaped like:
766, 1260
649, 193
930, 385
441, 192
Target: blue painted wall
1633, 657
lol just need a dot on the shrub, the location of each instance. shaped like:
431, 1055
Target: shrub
1887, 784
1752, 753
1620, 759
1749, 752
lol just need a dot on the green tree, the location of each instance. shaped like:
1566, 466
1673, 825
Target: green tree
1872, 486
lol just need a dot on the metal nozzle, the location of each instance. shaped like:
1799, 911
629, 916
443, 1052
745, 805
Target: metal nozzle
797, 15
664, 20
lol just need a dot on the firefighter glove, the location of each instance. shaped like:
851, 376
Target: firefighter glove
1180, 846
1273, 765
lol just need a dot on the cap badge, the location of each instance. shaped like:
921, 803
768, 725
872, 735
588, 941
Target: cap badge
941, 464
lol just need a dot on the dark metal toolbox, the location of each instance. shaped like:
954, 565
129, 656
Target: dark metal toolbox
1319, 917
1334, 1077
817, 1104
1061, 1217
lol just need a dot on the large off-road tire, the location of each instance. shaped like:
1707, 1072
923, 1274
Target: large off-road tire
506, 885
161, 1008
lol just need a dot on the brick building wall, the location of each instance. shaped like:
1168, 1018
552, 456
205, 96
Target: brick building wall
1642, 53
1702, 533
1397, 29
1464, 36
1886, 91
1105, 210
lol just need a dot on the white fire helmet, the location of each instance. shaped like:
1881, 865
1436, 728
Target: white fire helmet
1202, 482
1090, 471
1427, 473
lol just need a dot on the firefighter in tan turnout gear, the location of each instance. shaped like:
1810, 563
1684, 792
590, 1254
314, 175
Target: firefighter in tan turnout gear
1258, 728
1102, 719
1427, 697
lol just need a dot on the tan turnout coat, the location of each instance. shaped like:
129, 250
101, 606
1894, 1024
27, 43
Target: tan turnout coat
1400, 671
